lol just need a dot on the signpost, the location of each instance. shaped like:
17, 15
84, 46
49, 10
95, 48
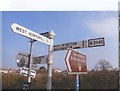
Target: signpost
80, 44
30, 34
49, 62
30, 61
75, 62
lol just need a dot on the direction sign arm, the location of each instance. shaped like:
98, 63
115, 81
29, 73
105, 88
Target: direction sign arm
30, 34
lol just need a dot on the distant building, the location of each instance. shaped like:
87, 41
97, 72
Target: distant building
7, 70
57, 70
4, 71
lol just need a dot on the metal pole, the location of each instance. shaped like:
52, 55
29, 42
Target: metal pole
77, 82
49, 62
30, 61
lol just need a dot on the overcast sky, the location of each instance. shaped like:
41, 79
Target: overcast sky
68, 27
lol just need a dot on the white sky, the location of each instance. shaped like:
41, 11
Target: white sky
45, 5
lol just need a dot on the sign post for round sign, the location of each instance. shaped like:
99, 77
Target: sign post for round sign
30, 61
33, 37
76, 62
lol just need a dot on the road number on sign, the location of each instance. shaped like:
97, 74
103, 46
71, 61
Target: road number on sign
96, 42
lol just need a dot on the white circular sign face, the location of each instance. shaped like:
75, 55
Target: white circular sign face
22, 59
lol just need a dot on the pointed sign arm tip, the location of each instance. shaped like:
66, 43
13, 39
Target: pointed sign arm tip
12, 26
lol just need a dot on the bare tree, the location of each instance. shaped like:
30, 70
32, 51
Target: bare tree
103, 65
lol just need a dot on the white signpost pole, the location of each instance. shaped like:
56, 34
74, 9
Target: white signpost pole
49, 62
30, 61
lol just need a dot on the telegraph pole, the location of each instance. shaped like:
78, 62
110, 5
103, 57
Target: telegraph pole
49, 62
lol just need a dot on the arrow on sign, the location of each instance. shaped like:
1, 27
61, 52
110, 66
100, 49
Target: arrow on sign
30, 34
